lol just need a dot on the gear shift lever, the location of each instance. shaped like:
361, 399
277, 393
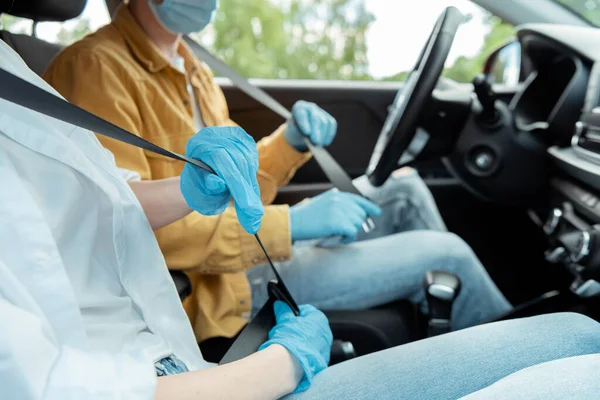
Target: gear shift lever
486, 96
441, 289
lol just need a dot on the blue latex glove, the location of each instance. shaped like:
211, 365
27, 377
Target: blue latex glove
308, 337
232, 154
315, 123
332, 213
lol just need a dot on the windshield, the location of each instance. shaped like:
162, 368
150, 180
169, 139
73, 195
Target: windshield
586, 9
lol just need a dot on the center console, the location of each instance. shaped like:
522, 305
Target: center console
574, 240
572, 223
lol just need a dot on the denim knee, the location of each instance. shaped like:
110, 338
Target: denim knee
579, 330
457, 253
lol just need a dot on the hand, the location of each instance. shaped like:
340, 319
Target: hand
307, 337
315, 123
329, 214
232, 154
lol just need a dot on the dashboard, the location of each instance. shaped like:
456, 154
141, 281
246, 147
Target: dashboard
554, 93
561, 96
560, 104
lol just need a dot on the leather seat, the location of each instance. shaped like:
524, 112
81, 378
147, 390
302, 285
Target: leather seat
367, 330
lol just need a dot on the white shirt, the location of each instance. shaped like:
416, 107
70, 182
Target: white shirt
179, 63
86, 301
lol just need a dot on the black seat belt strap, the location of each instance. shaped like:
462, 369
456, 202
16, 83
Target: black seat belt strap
19, 91
238, 80
334, 172
32, 97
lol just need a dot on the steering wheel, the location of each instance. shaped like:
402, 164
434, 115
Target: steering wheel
401, 124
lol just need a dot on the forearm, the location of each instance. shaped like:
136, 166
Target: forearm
267, 374
161, 200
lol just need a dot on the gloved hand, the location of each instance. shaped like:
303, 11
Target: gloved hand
308, 337
315, 123
232, 154
329, 214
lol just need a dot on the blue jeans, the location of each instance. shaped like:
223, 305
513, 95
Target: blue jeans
504, 360
564, 379
389, 263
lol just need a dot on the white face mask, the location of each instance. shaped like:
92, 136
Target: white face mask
184, 16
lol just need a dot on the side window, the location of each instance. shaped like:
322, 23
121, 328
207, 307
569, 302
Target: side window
94, 15
346, 39
369, 40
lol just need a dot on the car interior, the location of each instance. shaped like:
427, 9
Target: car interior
515, 170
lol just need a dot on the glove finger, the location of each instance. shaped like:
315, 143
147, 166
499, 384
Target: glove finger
328, 194
331, 130
250, 216
241, 185
357, 225
210, 184
306, 309
300, 105
213, 184
251, 222
348, 231
349, 238
256, 188
194, 189
371, 208
302, 120
211, 196
358, 222
355, 213
282, 311
318, 126
325, 131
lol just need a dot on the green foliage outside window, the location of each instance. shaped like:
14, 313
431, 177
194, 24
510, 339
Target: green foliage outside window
316, 39
294, 39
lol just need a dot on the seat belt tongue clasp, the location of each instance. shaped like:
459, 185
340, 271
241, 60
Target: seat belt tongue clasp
275, 293
277, 289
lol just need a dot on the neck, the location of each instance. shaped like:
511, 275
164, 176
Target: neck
166, 41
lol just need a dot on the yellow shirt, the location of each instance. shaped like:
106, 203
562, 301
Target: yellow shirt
119, 75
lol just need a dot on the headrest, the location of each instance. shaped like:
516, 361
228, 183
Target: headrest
43, 10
